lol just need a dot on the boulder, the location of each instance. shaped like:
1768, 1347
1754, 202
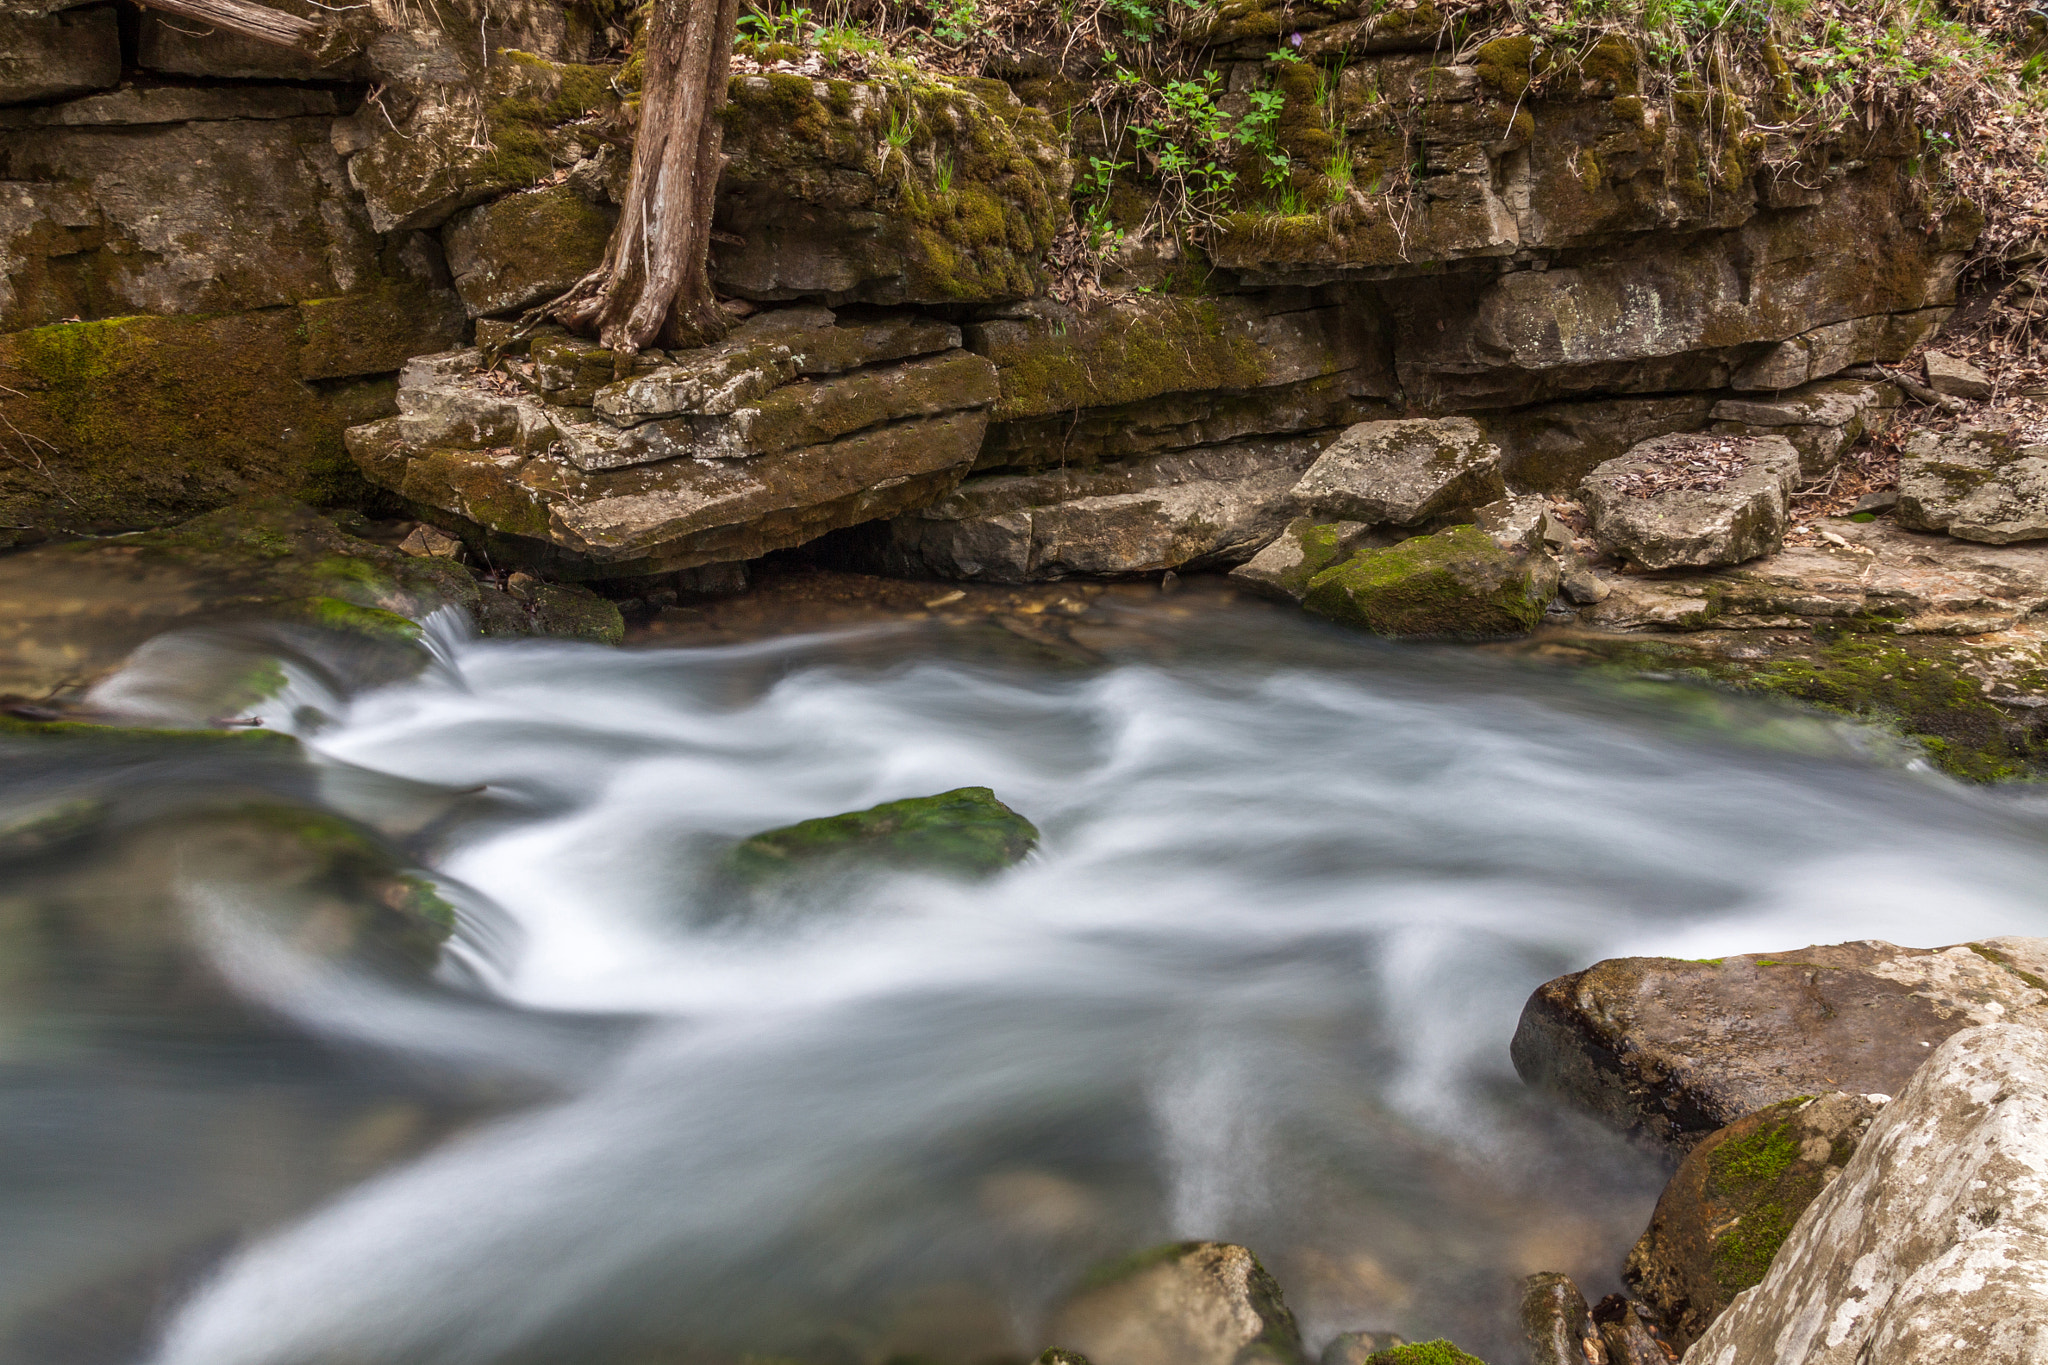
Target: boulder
820, 200
1551, 447
1932, 1243
1556, 1323
1975, 483
720, 455
48, 57
1670, 1051
1456, 584
1734, 1199
1437, 1352
525, 248
1403, 472
1821, 420
1356, 1348
1691, 501
1211, 506
1956, 378
1283, 569
1188, 1303
963, 833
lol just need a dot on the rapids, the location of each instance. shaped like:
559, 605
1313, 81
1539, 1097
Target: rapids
1257, 984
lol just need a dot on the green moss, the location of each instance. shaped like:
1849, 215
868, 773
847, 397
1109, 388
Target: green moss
1613, 61
1454, 584
1160, 345
1438, 1352
1748, 1176
335, 614
1510, 65
14, 727
1926, 697
1993, 955
965, 832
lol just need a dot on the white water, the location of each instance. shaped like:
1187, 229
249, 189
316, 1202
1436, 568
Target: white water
1257, 984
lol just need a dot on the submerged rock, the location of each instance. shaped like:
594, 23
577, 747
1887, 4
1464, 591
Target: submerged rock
1733, 1202
1187, 1303
1672, 1050
965, 832
1975, 483
1557, 1324
1404, 472
1454, 584
1693, 502
1930, 1245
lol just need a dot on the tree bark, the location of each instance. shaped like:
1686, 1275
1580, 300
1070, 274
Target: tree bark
249, 19
654, 284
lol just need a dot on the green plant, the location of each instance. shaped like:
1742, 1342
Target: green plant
1139, 19
1329, 92
1337, 175
763, 27
1257, 132
956, 22
942, 174
839, 42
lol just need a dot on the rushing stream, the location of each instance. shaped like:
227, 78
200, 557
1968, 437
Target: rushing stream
1257, 984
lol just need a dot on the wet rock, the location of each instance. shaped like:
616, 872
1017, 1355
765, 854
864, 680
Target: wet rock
1188, 1303
1930, 1245
1195, 509
1671, 1050
1957, 378
965, 832
1454, 584
1820, 420
1437, 1352
719, 456
1356, 1348
1975, 483
1283, 569
1642, 507
1627, 1338
1733, 1201
432, 543
525, 248
46, 57
1404, 472
1557, 1324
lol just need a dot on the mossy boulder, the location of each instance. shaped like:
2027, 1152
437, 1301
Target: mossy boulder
525, 248
1437, 1352
1456, 584
966, 832
1307, 547
934, 190
1733, 1201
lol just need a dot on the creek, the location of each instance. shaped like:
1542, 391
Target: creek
1256, 984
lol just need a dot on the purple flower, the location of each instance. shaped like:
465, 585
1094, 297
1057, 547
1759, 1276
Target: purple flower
1295, 39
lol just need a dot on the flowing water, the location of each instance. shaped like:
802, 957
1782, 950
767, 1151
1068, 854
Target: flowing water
1257, 984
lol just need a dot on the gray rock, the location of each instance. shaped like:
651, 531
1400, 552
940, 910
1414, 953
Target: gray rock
1356, 1348
1404, 472
1519, 523
1933, 1243
1208, 507
1582, 585
136, 106
181, 48
1821, 419
46, 57
1955, 377
1556, 1323
1672, 1050
1829, 350
1297, 554
1549, 448
525, 248
1742, 519
1975, 483
1192, 1303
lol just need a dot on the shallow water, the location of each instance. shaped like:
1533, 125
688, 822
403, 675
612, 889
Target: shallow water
1257, 984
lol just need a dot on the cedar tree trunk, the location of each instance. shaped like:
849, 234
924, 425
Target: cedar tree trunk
654, 284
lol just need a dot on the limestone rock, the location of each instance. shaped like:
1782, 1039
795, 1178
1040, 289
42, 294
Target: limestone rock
1627, 1337
1672, 1050
1556, 1323
1437, 1352
1821, 420
555, 488
46, 57
135, 106
1191, 1303
1955, 377
1204, 507
1734, 1199
1054, 360
1828, 350
1738, 516
176, 47
1975, 483
1931, 1244
1520, 523
525, 248
1454, 584
965, 833
824, 204
1283, 569
1551, 447
1404, 472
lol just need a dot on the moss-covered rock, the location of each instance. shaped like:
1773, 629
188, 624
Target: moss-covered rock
1454, 584
1437, 1352
965, 832
525, 248
1285, 567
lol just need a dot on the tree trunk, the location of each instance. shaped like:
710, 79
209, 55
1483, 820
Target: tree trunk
654, 284
251, 20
